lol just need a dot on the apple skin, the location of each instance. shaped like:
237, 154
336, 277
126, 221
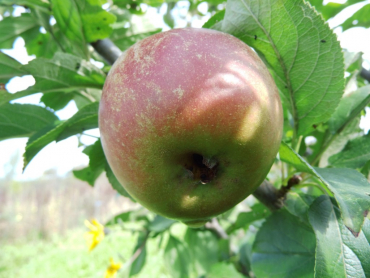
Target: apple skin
191, 122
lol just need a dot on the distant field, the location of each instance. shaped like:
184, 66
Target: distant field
42, 230
67, 256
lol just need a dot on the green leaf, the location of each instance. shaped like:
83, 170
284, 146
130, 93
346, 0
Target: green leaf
160, 224
349, 132
361, 17
215, 22
349, 107
223, 270
96, 164
298, 204
177, 258
96, 21
338, 252
288, 155
5, 97
41, 4
68, 18
354, 155
352, 58
244, 219
301, 51
122, 217
23, 120
284, 247
86, 174
123, 41
139, 262
129, 216
57, 101
40, 44
9, 68
352, 192
350, 188
82, 120
65, 73
245, 251
115, 183
13, 27
203, 247
331, 9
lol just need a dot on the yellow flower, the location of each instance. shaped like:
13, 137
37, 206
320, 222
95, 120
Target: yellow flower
95, 235
112, 269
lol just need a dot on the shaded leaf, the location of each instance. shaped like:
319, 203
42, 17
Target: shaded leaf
352, 192
244, 219
350, 131
65, 73
122, 217
57, 101
215, 22
203, 247
68, 18
96, 22
77, 122
96, 164
43, 5
123, 41
358, 19
304, 56
288, 155
86, 174
223, 270
352, 58
354, 155
298, 204
331, 9
115, 183
9, 68
349, 107
13, 27
160, 224
139, 262
338, 253
177, 258
23, 120
40, 44
284, 247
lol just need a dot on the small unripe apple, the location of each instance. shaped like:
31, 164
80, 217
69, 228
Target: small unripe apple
191, 122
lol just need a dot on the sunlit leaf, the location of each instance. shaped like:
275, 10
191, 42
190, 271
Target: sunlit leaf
301, 51
338, 252
23, 120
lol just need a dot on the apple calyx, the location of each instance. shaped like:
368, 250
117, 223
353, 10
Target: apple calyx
201, 168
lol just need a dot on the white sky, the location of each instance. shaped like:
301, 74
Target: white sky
66, 155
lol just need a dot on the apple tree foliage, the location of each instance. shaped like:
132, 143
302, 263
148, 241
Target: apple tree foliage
308, 219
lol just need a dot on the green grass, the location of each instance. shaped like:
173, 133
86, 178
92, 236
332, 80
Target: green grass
68, 256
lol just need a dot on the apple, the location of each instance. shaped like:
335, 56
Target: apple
191, 122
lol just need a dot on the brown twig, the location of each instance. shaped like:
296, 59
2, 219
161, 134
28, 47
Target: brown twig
272, 197
215, 227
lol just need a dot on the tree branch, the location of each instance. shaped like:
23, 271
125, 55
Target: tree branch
365, 74
215, 227
268, 195
107, 49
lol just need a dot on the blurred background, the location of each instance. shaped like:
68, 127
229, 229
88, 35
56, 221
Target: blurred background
42, 210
